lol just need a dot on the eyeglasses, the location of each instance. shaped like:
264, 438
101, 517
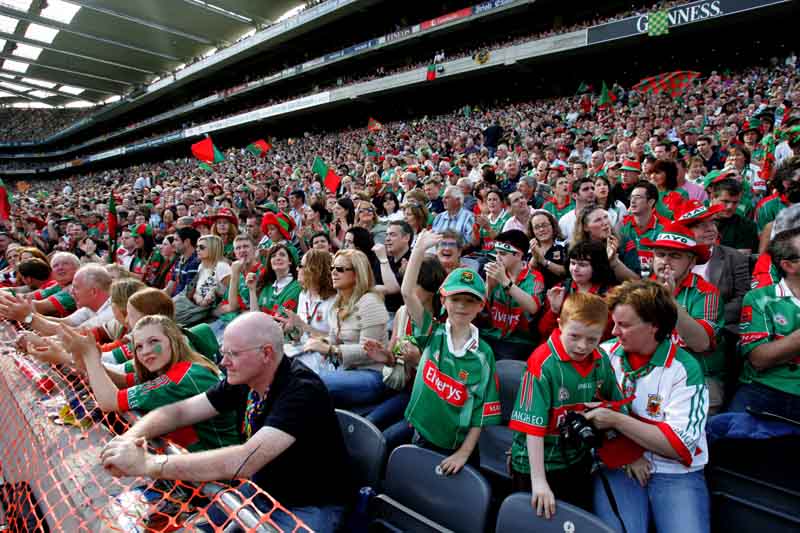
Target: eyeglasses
341, 269
236, 353
544, 225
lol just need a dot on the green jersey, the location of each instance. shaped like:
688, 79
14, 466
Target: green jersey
275, 298
183, 380
508, 320
701, 300
487, 242
552, 385
769, 314
558, 210
243, 302
454, 390
201, 339
630, 230
768, 208
738, 232
63, 302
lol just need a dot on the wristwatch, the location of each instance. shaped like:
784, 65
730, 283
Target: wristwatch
508, 285
28, 318
159, 461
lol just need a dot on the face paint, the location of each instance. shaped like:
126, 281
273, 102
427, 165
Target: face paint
158, 349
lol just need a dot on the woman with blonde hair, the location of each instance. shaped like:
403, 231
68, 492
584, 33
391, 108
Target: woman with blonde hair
211, 280
357, 315
593, 224
161, 351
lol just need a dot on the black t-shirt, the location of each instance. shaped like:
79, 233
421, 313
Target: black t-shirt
313, 471
394, 301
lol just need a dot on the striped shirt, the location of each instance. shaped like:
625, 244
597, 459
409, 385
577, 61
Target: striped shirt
462, 223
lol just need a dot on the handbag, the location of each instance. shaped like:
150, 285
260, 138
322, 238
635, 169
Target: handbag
187, 312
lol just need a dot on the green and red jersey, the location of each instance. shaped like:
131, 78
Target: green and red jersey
768, 208
630, 230
701, 300
49, 288
552, 385
60, 298
275, 298
508, 320
559, 210
770, 314
243, 301
454, 390
487, 242
764, 272
183, 380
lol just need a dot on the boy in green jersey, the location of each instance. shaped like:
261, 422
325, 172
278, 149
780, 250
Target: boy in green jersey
566, 373
455, 391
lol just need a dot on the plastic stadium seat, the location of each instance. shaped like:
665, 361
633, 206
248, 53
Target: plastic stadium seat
417, 497
366, 447
495, 441
516, 516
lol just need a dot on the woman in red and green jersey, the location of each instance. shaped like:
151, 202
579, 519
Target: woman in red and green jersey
670, 198
278, 289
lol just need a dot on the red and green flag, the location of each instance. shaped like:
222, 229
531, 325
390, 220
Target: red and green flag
326, 175
259, 148
607, 98
373, 125
206, 151
5, 201
672, 83
112, 224
430, 75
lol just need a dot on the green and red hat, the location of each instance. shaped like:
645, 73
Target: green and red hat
694, 211
466, 281
282, 221
38, 221
141, 230
559, 167
715, 176
631, 165
225, 213
753, 124
202, 221
676, 236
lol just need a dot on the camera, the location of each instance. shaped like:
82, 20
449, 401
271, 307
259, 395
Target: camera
578, 432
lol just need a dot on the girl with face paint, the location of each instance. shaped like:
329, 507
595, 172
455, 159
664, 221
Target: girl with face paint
165, 369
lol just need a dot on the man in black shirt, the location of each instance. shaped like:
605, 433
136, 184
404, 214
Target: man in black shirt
292, 445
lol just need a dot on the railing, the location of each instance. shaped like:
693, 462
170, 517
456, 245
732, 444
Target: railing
52, 479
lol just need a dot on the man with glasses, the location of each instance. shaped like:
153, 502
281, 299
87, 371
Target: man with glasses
454, 217
643, 222
292, 444
770, 336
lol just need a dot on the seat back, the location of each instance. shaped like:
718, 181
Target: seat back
459, 502
509, 374
366, 447
517, 516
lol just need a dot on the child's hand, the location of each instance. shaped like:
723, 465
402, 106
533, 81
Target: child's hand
542, 500
453, 464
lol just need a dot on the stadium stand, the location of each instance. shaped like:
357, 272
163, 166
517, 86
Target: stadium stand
362, 209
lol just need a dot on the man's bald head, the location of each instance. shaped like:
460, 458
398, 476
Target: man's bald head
254, 329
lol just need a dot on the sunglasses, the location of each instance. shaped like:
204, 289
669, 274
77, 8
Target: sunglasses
366, 210
341, 269
202, 247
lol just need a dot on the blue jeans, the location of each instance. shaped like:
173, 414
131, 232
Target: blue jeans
390, 410
766, 399
353, 387
678, 503
218, 327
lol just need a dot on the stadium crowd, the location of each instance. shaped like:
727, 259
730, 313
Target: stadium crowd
401, 63
642, 255
36, 124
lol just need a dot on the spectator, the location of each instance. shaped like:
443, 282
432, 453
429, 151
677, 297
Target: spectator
276, 289
454, 217
187, 265
735, 231
548, 250
594, 225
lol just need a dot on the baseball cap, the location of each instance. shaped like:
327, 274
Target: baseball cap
464, 280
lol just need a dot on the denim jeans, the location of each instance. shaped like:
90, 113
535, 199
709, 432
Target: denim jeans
677, 503
218, 327
763, 398
354, 387
389, 411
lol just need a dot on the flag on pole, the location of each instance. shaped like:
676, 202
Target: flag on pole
259, 148
583, 88
5, 201
112, 224
206, 151
374, 125
607, 98
672, 83
431, 73
658, 23
326, 175
206, 167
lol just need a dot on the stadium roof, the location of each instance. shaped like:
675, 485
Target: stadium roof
70, 52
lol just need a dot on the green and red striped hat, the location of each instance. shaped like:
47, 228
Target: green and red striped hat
676, 236
282, 221
225, 213
141, 230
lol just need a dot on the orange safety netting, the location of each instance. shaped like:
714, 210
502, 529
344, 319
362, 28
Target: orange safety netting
51, 435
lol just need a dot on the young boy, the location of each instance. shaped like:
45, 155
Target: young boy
567, 373
455, 392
